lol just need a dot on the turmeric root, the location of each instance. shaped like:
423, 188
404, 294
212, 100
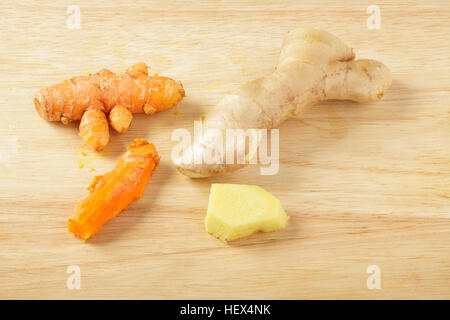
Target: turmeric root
313, 66
111, 193
89, 98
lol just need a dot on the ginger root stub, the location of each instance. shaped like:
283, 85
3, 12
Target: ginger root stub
90, 98
236, 211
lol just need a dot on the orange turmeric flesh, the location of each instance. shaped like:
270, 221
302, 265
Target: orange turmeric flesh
111, 193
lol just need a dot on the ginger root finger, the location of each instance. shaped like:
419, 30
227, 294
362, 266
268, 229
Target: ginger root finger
135, 89
120, 118
314, 66
94, 129
361, 80
111, 193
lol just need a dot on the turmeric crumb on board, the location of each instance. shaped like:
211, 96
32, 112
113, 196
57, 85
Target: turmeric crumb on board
84, 157
380, 92
176, 112
202, 118
91, 169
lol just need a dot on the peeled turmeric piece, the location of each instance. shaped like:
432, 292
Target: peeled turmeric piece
236, 211
89, 98
111, 193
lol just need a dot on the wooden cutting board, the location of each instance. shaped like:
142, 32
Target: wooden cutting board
364, 184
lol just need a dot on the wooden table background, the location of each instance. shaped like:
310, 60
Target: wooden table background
364, 184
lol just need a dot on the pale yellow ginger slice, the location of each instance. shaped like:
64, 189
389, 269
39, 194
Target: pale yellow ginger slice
237, 210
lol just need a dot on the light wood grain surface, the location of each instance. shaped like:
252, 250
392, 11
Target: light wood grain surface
364, 184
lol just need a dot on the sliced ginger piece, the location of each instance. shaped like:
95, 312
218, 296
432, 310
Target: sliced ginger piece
237, 210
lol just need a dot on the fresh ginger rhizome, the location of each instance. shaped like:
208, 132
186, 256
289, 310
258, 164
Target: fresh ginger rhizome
313, 66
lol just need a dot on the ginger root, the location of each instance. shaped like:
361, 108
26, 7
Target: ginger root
313, 66
89, 98
111, 193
